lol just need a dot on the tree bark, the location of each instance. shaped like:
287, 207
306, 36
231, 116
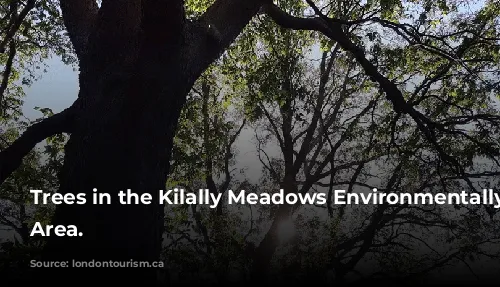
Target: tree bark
122, 140
138, 61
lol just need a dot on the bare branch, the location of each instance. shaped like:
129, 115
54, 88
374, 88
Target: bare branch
333, 30
229, 17
223, 187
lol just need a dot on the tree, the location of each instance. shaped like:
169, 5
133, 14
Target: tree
138, 61
406, 241
203, 158
32, 32
283, 107
17, 212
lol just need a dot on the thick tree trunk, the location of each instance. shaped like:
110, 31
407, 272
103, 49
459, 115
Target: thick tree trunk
138, 60
122, 140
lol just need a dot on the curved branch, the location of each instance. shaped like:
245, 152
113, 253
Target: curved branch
333, 30
227, 18
12, 157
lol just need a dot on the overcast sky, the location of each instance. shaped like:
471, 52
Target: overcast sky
57, 89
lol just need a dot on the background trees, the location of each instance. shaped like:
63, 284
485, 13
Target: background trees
397, 95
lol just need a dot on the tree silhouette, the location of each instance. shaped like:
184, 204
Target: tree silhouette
138, 61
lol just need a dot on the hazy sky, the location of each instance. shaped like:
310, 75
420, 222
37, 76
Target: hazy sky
57, 89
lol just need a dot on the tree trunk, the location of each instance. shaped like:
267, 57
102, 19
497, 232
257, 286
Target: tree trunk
122, 140
261, 265
138, 60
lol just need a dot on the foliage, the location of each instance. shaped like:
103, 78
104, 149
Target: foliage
321, 122
40, 36
18, 213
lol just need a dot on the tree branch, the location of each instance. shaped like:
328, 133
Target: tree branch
12, 157
16, 22
229, 17
223, 187
6, 74
7, 222
216, 29
333, 30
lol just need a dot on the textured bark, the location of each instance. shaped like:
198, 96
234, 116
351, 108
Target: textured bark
138, 61
122, 139
122, 143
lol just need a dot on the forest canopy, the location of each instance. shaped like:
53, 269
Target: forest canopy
311, 96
